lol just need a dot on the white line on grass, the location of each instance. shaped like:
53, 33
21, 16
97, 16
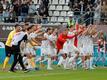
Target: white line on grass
26, 76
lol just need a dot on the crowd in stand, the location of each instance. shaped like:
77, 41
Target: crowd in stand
17, 11
94, 10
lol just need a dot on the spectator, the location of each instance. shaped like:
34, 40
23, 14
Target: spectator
43, 12
12, 16
71, 21
92, 14
97, 13
76, 10
103, 10
24, 11
1, 11
46, 14
17, 10
82, 7
32, 11
87, 16
71, 3
6, 15
46, 3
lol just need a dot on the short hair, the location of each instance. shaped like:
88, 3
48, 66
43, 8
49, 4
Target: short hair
26, 24
30, 27
48, 29
16, 25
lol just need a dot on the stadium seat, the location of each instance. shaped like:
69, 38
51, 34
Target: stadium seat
59, 8
60, 19
65, 24
50, 1
52, 7
53, 19
70, 13
61, 1
55, 1
56, 13
66, 19
50, 13
63, 13
67, 1
35, 1
66, 8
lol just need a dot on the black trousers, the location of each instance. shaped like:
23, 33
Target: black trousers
8, 51
17, 57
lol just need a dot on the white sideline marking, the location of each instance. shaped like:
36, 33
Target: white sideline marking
25, 76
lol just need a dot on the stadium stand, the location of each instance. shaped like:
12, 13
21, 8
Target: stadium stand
58, 11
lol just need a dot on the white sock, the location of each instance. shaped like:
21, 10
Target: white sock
71, 59
91, 62
60, 61
67, 63
64, 63
85, 64
88, 63
74, 65
49, 63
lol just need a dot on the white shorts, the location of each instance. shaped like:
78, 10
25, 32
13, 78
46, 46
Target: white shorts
69, 48
29, 50
52, 51
83, 51
66, 48
86, 51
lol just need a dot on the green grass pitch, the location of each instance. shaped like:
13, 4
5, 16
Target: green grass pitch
56, 74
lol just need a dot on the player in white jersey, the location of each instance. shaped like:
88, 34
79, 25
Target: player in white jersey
82, 46
87, 47
45, 48
29, 50
52, 40
52, 53
93, 34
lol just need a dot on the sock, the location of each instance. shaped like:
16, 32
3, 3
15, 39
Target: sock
67, 63
30, 63
85, 64
88, 63
70, 60
6, 62
64, 63
91, 62
60, 61
33, 62
49, 63
74, 64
